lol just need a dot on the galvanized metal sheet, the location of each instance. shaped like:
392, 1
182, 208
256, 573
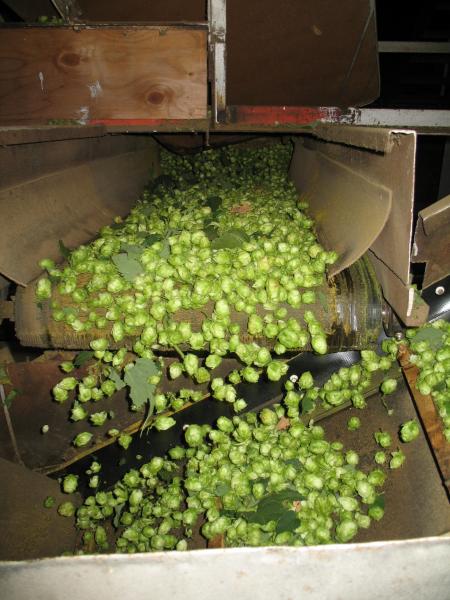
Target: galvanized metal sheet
407, 570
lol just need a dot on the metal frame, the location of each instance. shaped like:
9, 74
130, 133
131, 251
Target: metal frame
217, 19
406, 570
414, 47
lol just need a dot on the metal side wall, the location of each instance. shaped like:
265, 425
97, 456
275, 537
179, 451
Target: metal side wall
406, 570
359, 182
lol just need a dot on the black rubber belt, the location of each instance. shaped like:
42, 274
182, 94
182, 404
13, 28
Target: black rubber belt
116, 461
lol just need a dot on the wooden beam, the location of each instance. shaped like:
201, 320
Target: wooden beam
429, 416
107, 72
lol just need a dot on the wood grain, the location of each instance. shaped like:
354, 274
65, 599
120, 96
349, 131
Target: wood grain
117, 72
429, 416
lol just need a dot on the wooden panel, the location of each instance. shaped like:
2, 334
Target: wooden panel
24, 134
429, 416
126, 72
284, 52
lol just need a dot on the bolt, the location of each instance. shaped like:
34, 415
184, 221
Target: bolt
439, 290
398, 335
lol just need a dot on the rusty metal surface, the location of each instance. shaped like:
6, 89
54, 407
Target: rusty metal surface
339, 198
6, 310
432, 241
385, 159
33, 407
408, 490
69, 205
29, 161
430, 418
409, 306
29, 530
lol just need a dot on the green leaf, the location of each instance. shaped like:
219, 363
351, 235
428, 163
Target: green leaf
161, 183
132, 250
294, 461
431, 335
118, 509
288, 521
82, 357
136, 378
379, 501
214, 203
167, 475
65, 252
272, 507
447, 407
128, 267
165, 250
53, 280
10, 397
151, 239
222, 488
307, 405
233, 238
114, 376
269, 511
323, 300
211, 231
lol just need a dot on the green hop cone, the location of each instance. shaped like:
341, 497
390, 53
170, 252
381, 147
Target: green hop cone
163, 423
409, 431
397, 459
49, 502
388, 386
123, 440
82, 439
99, 418
353, 423
193, 435
383, 439
276, 369
66, 509
70, 484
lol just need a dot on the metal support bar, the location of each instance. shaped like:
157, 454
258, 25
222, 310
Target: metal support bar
397, 117
69, 10
217, 18
414, 47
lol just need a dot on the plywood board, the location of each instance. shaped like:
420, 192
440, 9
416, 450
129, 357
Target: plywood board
95, 73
